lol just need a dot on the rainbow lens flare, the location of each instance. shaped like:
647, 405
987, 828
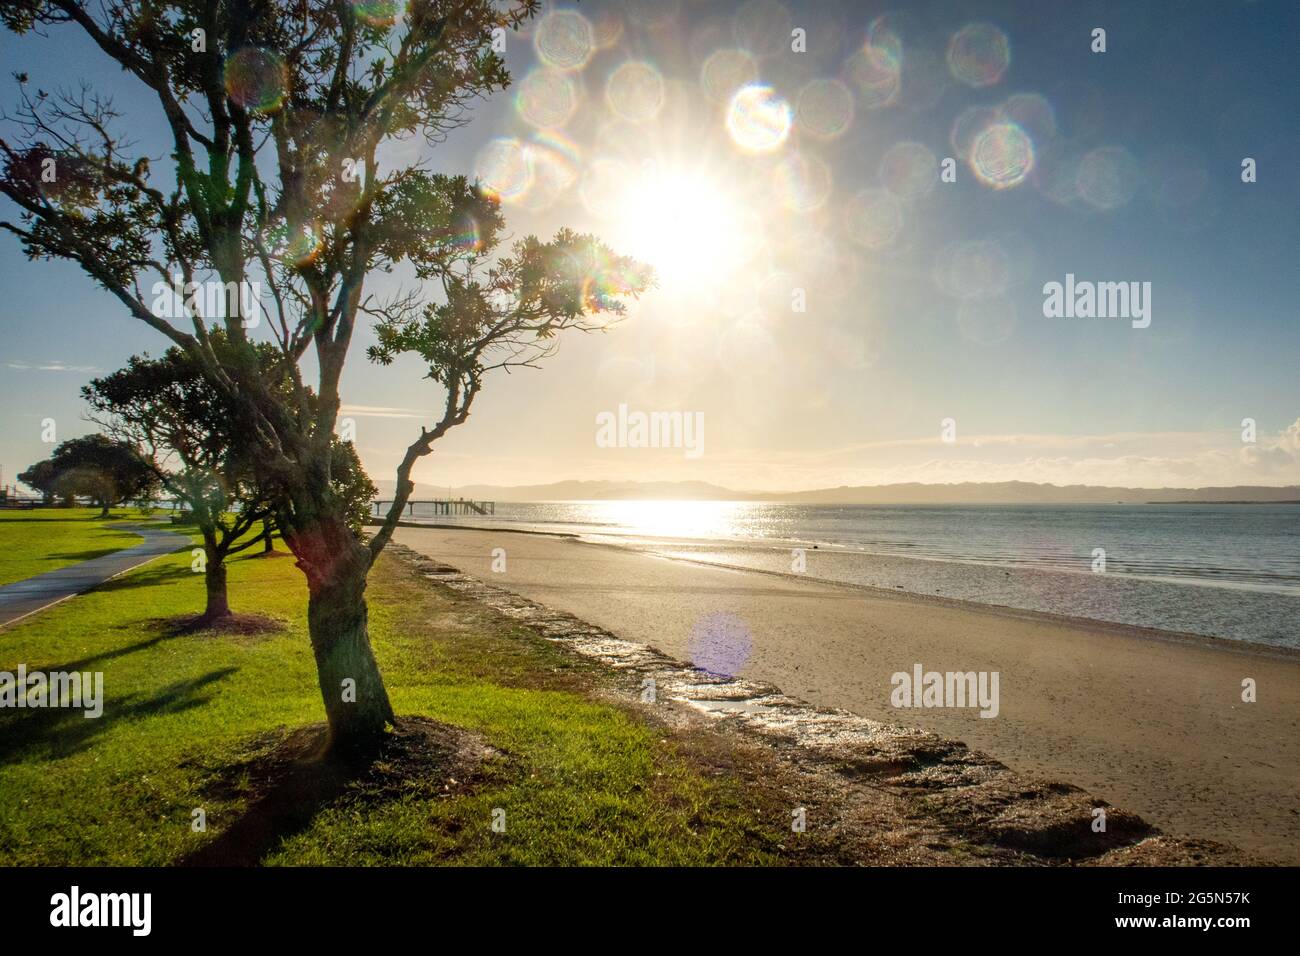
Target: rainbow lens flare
256, 79
1002, 155
503, 169
378, 13
758, 120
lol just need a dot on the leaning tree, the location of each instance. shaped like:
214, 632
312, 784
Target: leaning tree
276, 117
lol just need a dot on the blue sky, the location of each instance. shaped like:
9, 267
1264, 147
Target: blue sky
923, 299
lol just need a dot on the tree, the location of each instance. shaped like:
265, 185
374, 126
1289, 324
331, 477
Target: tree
42, 477
166, 406
275, 115
106, 471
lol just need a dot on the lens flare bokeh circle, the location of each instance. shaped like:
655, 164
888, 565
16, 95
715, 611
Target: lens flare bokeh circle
824, 108
547, 98
503, 169
764, 27
909, 170
758, 119
1108, 177
802, 182
978, 54
635, 91
877, 72
725, 71
564, 40
256, 79
720, 644
1002, 155
873, 218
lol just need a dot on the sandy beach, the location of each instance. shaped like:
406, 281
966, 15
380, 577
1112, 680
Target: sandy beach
1153, 723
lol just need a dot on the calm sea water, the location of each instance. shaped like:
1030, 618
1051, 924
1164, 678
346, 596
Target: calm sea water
1229, 571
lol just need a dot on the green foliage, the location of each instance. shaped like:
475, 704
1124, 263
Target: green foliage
109, 472
504, 311
352, 485
43, 477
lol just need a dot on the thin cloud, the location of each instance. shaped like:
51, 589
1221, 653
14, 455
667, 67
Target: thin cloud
380, 411
51, 367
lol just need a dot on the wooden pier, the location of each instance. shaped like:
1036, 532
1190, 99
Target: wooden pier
443, 506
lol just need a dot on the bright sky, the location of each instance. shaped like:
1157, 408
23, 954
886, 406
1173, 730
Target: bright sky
826, 300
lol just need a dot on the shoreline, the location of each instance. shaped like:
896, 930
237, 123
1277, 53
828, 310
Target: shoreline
1136, 631
671, 549
1150, 720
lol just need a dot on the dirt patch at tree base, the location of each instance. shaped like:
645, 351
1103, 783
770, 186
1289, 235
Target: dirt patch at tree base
287, 777
235, 625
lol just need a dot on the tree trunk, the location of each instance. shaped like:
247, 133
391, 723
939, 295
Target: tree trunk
103, 509
214, 576
268, 544
356, 702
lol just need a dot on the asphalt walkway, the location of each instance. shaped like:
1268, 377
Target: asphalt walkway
22, 598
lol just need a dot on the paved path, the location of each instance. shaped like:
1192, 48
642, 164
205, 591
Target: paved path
22, 598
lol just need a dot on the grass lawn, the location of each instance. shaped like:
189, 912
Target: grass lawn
45, 539
581, 780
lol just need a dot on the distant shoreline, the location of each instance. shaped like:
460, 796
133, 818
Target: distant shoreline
898, 493
1280, 501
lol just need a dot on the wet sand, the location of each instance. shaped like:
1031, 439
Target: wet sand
1153, 723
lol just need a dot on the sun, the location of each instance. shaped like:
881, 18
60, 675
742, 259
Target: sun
694, 231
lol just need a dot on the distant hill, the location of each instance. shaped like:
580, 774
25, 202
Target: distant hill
1001, 492
580, 491
1024, 492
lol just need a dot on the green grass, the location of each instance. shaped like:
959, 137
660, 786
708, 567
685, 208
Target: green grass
581, 780
45, 539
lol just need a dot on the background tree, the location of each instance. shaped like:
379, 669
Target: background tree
275, 115
42, 477
166, 406
107, 472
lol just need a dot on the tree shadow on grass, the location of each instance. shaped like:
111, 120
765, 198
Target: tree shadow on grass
146, 577
52, 733
83, 663
169, 628
291, 778
88, 555
79, 519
